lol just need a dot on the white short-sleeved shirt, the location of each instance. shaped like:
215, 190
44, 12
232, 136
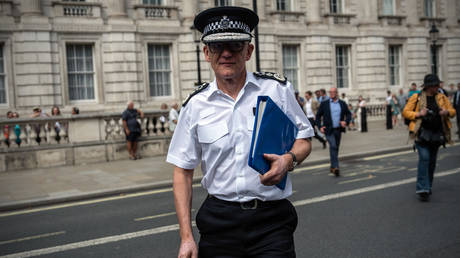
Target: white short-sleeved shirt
215, 130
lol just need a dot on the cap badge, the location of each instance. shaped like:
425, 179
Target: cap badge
224, 23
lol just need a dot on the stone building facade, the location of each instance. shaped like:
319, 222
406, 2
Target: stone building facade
98, 54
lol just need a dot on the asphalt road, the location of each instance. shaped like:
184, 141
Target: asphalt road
370, 211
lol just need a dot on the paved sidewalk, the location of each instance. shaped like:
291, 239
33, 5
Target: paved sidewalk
27, 188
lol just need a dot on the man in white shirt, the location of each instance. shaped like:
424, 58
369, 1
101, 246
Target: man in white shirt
173, 116
215, 129
311, 107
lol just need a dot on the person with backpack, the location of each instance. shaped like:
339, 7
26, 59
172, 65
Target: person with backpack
429, 127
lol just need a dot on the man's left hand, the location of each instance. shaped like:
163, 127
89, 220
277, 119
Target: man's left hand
343, 124
279, 165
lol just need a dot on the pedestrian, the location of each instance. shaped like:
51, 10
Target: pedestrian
173, 116
413, 90
389, 111
245, 214
162, 118
362, 114
75, 111
311, 107
402, 99
352, 124
345, 98
132, 129
299, 99
55, 111
395, 111
323, 96
442, 90
37, 112
318, 96
456, 103
332, 118
451, 91
429, 113
17, 129
6, 129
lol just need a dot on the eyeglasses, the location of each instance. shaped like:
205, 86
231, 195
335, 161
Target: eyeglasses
218, 47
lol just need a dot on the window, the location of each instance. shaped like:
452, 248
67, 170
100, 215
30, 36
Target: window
153, 2
394, 64
159, 70
342, 56
80, 71
283, 5
222, 2
430, 8
336, 6
435, 54
388, 7
291, 64
2, 78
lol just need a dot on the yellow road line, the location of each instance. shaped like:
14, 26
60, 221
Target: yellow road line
357, 179
32, 237
79, 203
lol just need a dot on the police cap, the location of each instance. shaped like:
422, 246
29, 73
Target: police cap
226, 23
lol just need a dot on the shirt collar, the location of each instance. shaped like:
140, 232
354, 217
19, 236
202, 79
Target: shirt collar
331, 100
250, 80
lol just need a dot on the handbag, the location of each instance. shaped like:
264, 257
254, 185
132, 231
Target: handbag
427, 136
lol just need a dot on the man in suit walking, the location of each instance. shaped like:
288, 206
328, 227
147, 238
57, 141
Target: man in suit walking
332, 118
456, 104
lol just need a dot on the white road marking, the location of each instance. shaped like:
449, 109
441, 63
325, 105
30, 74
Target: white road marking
158, 216
296, 171
357, 179
97, 241
368, 189
32, 237
175, 227
387, 155
79, 203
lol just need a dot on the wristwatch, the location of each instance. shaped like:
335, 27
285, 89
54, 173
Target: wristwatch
294, 161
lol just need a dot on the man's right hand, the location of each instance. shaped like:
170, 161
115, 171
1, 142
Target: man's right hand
127, 131
188, 249
422, 112
322, 129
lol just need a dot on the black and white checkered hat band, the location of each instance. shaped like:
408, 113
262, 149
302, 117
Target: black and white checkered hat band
215, 27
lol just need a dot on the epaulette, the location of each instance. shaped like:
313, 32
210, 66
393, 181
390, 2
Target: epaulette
273, 76
198, 90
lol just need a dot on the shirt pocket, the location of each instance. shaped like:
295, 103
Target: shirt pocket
212, 132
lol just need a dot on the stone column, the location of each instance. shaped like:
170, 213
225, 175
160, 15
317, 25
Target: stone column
313, 11
370, 11
30, 7
190, 9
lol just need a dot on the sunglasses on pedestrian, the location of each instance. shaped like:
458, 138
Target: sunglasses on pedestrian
218, 47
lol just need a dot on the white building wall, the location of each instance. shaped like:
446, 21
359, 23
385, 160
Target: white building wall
34, 35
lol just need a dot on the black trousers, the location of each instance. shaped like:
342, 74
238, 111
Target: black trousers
389, 117
228, 230
313, 124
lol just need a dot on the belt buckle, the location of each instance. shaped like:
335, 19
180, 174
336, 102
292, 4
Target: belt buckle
251, 205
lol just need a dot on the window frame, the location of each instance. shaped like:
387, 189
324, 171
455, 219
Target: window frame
95, 41
297, 68
340, 7
3, 74
348, 48
171, 73
289, 6
433, 6
399, 65
217, 4
93, 73
393, 11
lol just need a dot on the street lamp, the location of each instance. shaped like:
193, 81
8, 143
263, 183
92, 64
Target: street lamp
196, 39
434, 33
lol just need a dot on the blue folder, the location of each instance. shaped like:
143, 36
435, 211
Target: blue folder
274, 133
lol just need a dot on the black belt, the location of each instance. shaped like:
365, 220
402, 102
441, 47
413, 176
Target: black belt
249, 205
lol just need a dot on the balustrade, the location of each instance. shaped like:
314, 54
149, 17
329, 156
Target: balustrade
59, 130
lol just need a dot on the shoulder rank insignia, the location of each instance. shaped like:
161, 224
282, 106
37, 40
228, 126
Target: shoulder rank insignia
198, 90
273, 76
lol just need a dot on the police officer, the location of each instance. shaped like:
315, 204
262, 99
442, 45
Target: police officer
245, 214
